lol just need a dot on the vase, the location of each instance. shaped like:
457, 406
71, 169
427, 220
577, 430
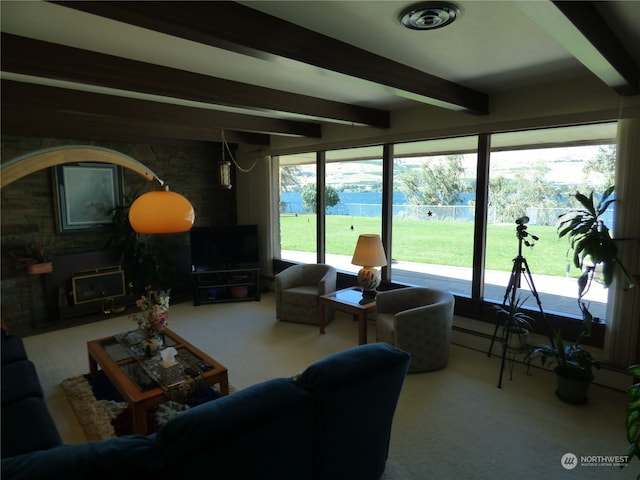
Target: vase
151, 344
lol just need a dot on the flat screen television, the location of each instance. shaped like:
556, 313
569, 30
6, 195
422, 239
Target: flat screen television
222, 248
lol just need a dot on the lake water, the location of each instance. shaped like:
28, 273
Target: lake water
362, 204
369, 204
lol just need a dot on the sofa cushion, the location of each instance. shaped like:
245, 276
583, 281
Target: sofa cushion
27, 426
304, 296
356, 392
126, 458
19, 380
263, 431
12, 349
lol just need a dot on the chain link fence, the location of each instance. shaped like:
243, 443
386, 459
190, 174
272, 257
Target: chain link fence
460, 213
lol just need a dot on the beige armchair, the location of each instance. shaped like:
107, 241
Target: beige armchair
297, 291
417, 320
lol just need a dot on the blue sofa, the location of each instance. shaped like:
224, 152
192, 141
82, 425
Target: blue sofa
331, 422
25, 423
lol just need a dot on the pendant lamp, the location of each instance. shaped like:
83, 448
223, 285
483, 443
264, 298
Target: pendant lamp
161, 211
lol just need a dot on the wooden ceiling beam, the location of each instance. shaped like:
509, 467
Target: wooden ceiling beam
235, 27
579, 27
50, 110
82, 127
615, 67
48, 60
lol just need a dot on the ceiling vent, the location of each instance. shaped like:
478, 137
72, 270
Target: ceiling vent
429, 15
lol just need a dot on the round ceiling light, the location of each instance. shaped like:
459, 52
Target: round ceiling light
429, 16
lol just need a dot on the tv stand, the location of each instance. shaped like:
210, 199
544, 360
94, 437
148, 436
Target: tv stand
228, 285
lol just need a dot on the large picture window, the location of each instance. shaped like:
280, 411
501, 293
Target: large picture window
298, 214
354, 201
436, 210
537, 185
434, 213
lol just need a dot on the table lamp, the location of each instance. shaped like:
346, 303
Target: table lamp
369, 254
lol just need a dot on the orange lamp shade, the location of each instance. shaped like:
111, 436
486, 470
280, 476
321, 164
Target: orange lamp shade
161, 211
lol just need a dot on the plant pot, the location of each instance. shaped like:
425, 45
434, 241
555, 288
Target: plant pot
40, 268
572, 390
517, 339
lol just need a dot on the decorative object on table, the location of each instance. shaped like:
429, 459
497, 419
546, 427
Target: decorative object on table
170, 369
369, 254
152, 319
150, 345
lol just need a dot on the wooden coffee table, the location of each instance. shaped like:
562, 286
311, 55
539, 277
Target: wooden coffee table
348, 300
136, 381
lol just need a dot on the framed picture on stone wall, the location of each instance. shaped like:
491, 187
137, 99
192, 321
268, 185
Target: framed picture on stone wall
86, 194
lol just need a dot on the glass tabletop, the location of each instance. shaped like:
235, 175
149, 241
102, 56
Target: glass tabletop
142, 369
351, 296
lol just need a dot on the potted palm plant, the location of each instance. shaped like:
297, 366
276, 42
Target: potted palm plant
593, 247
591, 241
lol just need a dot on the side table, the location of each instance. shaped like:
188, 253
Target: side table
348, 300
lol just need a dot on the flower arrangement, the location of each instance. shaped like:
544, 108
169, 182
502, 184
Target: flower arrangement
155, 311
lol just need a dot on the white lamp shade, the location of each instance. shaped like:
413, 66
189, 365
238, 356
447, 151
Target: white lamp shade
369, 251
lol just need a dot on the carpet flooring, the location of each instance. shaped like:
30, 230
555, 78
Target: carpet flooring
450, 424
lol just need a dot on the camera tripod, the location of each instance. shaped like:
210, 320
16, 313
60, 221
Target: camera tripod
520, 269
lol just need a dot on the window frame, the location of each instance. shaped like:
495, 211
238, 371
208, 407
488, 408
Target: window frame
474, 306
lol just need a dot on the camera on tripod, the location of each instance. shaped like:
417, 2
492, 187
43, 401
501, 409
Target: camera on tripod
521, 231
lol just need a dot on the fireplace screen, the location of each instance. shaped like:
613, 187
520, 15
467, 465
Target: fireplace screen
89, 287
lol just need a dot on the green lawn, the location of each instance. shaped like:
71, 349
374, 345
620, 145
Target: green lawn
436, 242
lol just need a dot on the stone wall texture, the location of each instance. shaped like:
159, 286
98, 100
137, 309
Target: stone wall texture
28, 213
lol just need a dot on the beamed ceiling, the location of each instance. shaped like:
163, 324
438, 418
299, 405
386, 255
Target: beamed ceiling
185, 71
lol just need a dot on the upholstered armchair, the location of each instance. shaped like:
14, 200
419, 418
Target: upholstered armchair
298, 289
417, 320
